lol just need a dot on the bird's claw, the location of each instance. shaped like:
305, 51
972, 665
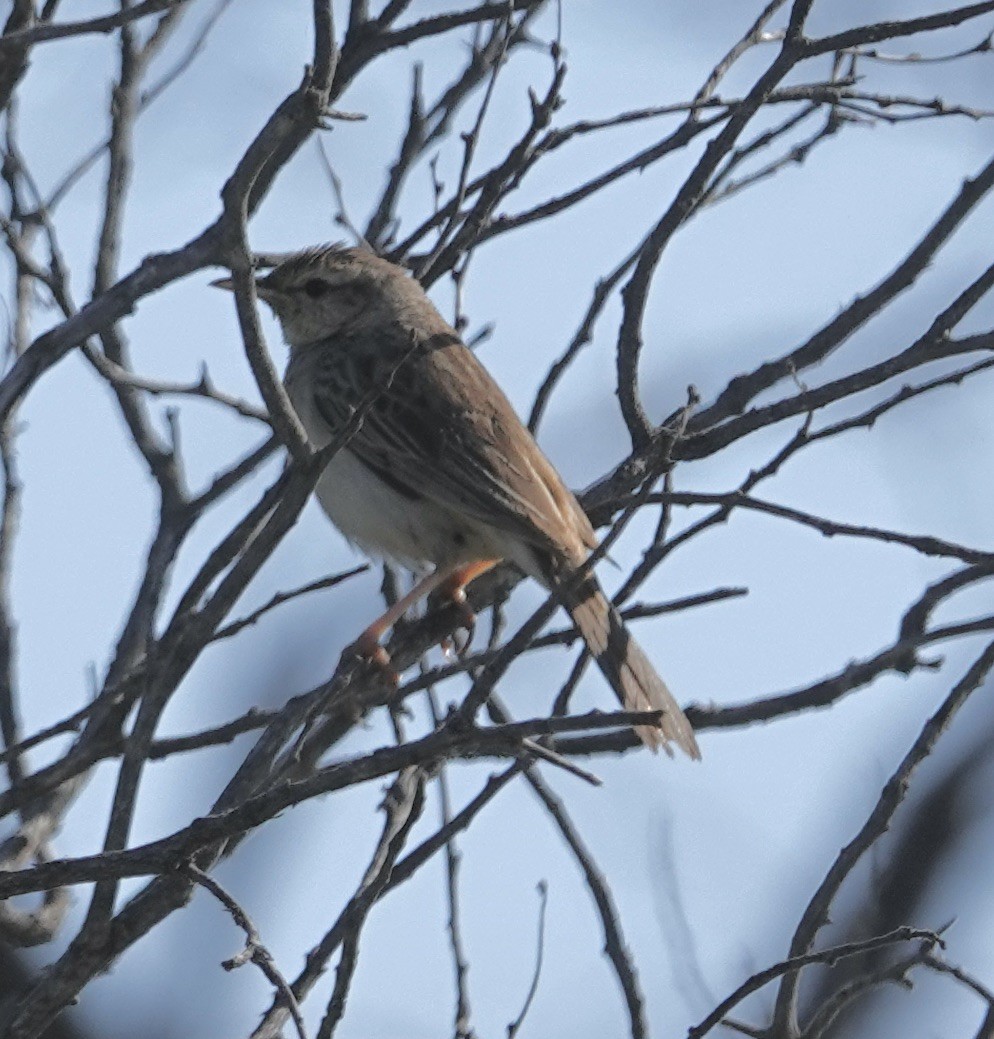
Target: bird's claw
457, 644
367, 647
463, 639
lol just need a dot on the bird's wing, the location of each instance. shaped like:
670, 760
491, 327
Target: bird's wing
440, 427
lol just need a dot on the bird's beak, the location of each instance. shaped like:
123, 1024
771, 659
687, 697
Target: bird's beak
261, 290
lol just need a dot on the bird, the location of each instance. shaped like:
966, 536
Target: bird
439, 473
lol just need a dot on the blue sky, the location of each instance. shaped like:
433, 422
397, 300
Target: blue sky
738, 842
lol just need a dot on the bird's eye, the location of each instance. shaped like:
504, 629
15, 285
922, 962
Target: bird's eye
315, 287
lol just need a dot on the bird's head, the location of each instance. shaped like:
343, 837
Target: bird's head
331, 290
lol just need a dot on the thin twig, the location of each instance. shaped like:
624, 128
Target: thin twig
255, 951
284, 597
460, 964
106, 23
543, 900
816, 912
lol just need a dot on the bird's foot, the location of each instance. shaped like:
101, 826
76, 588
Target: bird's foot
457, 644
367, 647
461, 639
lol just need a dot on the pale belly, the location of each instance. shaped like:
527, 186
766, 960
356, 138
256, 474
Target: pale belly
417, 533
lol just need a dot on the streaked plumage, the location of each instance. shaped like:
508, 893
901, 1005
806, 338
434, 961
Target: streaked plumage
441, 472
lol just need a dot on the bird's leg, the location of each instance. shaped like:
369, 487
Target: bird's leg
453, 590
450, 581
367, 645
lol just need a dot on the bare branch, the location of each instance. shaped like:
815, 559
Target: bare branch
867, 34
254, 951
614, 941
816, 912
460, 965
829, 957
543, 900
793, 93
402, 805
107, 23
636, 290
283, 597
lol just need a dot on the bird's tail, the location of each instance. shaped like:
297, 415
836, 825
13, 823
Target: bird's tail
627, 668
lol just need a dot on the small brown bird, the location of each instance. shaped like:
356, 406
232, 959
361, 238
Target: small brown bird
441, 473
